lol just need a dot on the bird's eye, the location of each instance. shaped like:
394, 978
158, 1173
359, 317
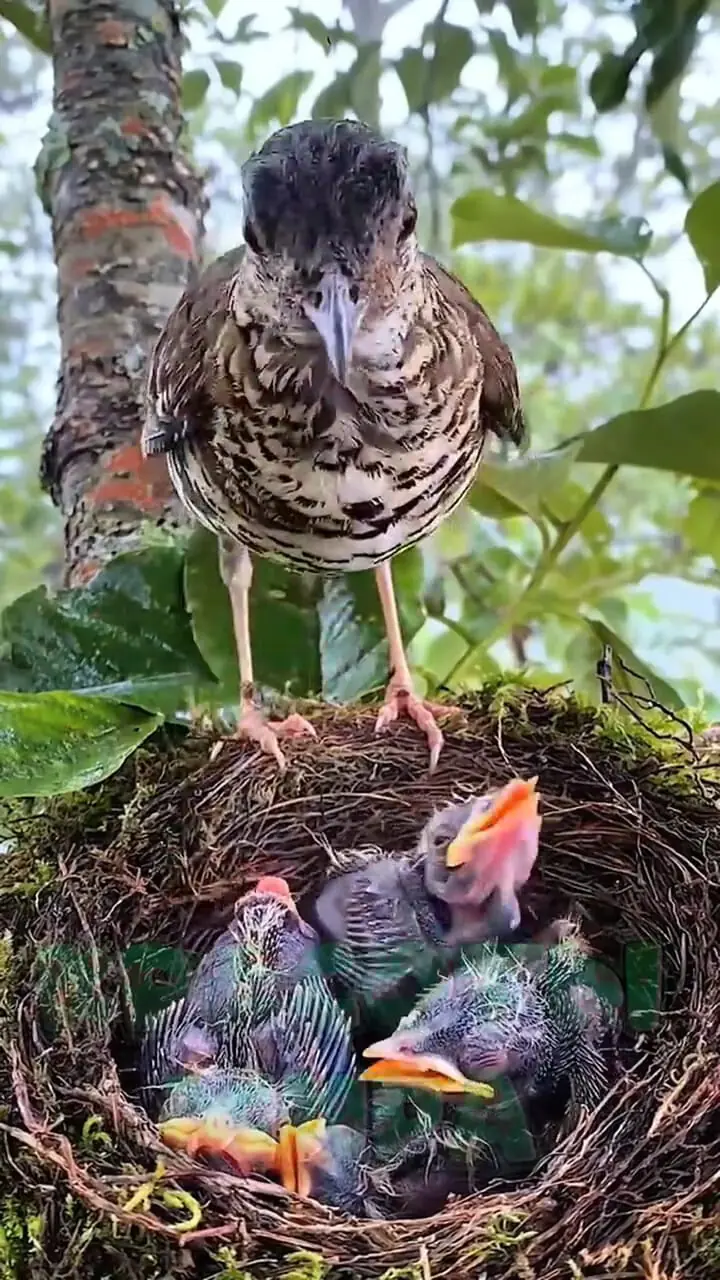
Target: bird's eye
250, 237
408, 225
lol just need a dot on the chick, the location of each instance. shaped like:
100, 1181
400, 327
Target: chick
266, 951
294, 1066
395, 918
521, 1016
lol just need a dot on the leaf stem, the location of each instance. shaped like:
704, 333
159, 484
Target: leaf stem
665, 346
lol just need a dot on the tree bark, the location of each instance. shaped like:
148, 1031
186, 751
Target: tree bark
127, 218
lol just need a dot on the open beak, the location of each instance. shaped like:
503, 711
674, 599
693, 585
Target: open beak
249, 1150
511, 820
419, 1071
336, 320
298, 1148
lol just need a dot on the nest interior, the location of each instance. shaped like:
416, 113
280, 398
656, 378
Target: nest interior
630, 843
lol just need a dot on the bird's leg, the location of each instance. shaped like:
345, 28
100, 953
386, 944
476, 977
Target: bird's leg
236, 573
400, 696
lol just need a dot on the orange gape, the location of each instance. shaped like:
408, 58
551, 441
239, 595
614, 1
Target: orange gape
514, 806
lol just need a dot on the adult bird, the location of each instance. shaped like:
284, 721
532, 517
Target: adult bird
323, 393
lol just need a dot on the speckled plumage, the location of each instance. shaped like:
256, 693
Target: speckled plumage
257, 1002
508, 1013
263, 442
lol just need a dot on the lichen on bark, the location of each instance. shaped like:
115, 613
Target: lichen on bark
127, 214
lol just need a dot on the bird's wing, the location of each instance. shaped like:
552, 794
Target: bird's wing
373, 927
178, 403
172, 1040
307, 1045
501, 394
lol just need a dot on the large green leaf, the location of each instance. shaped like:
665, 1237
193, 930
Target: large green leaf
701, 224
353, 641
30, 25
701, 527
523, 484
280, 102
195, 85
126, 634
433, 78
284, 623
682, 436
51, 743
485, 215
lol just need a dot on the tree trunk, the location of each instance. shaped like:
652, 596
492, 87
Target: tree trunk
127, 216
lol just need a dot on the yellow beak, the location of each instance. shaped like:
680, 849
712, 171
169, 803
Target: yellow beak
515, 805
298, 1145
249, 1150
420, 1071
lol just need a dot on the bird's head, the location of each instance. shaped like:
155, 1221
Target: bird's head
268, 927
485, 1021
330, 234
478, 854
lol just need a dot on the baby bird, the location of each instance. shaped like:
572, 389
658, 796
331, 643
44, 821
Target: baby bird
396, 917
257, 1042
523, 1015
265, 952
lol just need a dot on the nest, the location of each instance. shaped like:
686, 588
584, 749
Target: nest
630, 844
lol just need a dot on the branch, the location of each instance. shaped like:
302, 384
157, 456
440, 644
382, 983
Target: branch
126, 209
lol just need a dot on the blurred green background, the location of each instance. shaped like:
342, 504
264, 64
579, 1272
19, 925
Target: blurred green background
582, 109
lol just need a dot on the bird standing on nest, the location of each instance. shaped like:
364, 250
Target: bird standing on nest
324, 393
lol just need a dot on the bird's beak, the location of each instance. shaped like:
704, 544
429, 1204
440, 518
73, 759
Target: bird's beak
510, 823
249, 1150
298, 1149
419, 1071
336, 320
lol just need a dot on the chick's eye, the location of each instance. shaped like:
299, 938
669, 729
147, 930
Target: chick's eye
408, 225
250, 237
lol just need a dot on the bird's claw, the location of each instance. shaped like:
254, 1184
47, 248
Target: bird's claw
266, 734
401, 700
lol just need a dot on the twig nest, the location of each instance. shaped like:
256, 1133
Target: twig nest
123, 875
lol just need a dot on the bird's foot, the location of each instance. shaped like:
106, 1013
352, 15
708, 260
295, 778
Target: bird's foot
400, 699
252, 727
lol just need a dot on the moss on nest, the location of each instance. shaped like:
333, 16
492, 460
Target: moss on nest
631, 840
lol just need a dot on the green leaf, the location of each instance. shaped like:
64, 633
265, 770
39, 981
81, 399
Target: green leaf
484, 215
333, 101
284, 623
353, 640
610, 80
51, 743
30, 25
524, 14
676, 166
435, 78
701, 226
671, 58
682, 436
231, 74
586, 649
701, 526
195, 85
300, 20
280, 103
126, 635
523, 483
